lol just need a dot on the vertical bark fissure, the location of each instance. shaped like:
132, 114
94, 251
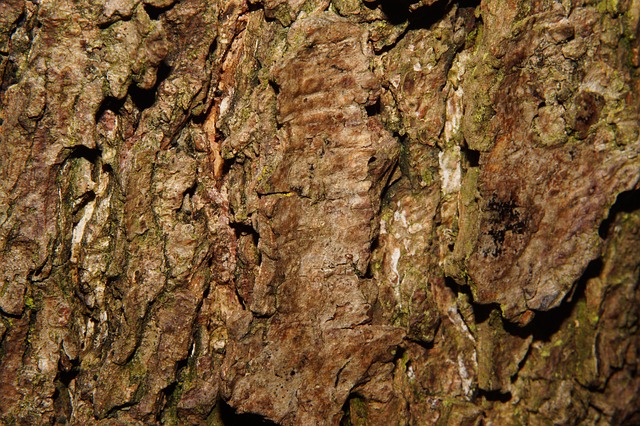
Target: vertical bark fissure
319, 212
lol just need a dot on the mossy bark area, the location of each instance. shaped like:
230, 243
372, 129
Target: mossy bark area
319, 212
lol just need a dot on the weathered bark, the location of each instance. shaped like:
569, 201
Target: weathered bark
319, 212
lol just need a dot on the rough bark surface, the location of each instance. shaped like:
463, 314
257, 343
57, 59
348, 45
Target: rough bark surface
350, 212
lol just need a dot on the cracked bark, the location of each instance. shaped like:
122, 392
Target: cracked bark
319, 212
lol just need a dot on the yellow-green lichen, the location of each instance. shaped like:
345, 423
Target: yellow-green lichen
29, 303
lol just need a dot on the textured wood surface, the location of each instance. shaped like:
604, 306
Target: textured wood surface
314, 212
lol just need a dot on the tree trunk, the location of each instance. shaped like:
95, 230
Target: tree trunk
314, 212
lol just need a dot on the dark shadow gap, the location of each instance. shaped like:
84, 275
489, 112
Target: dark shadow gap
275, 86
472, 156
66, 376
254, 7
145, 98
186, 207
172, 392
495, 396
106, 168
154, 12
346, 411
230, 417
386, 194
81, 151
208, 102
375, 243
92, 155
61, 398
244, 229
547, 323
468, 3
399, 12
373, 109
39, 274
83, 201
372, 5
199, 119
109, 104
228, 163
424, 345
396, 11
191, 190
626, 202
481, 312
20, 21
453, 285
207, 291
400, 351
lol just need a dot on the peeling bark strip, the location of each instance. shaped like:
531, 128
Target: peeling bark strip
319, 212
319, 193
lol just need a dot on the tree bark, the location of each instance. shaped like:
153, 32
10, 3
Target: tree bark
309, 212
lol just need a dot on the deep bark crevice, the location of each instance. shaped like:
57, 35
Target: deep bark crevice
626, 202
242, 229
155, 12
109, 104
171, 392
423, 17
81, 151
472, 156
61, 398
495, 396
347, 409
399, 11
230, 417
373, 109
154, 305
145, 98
547, 323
